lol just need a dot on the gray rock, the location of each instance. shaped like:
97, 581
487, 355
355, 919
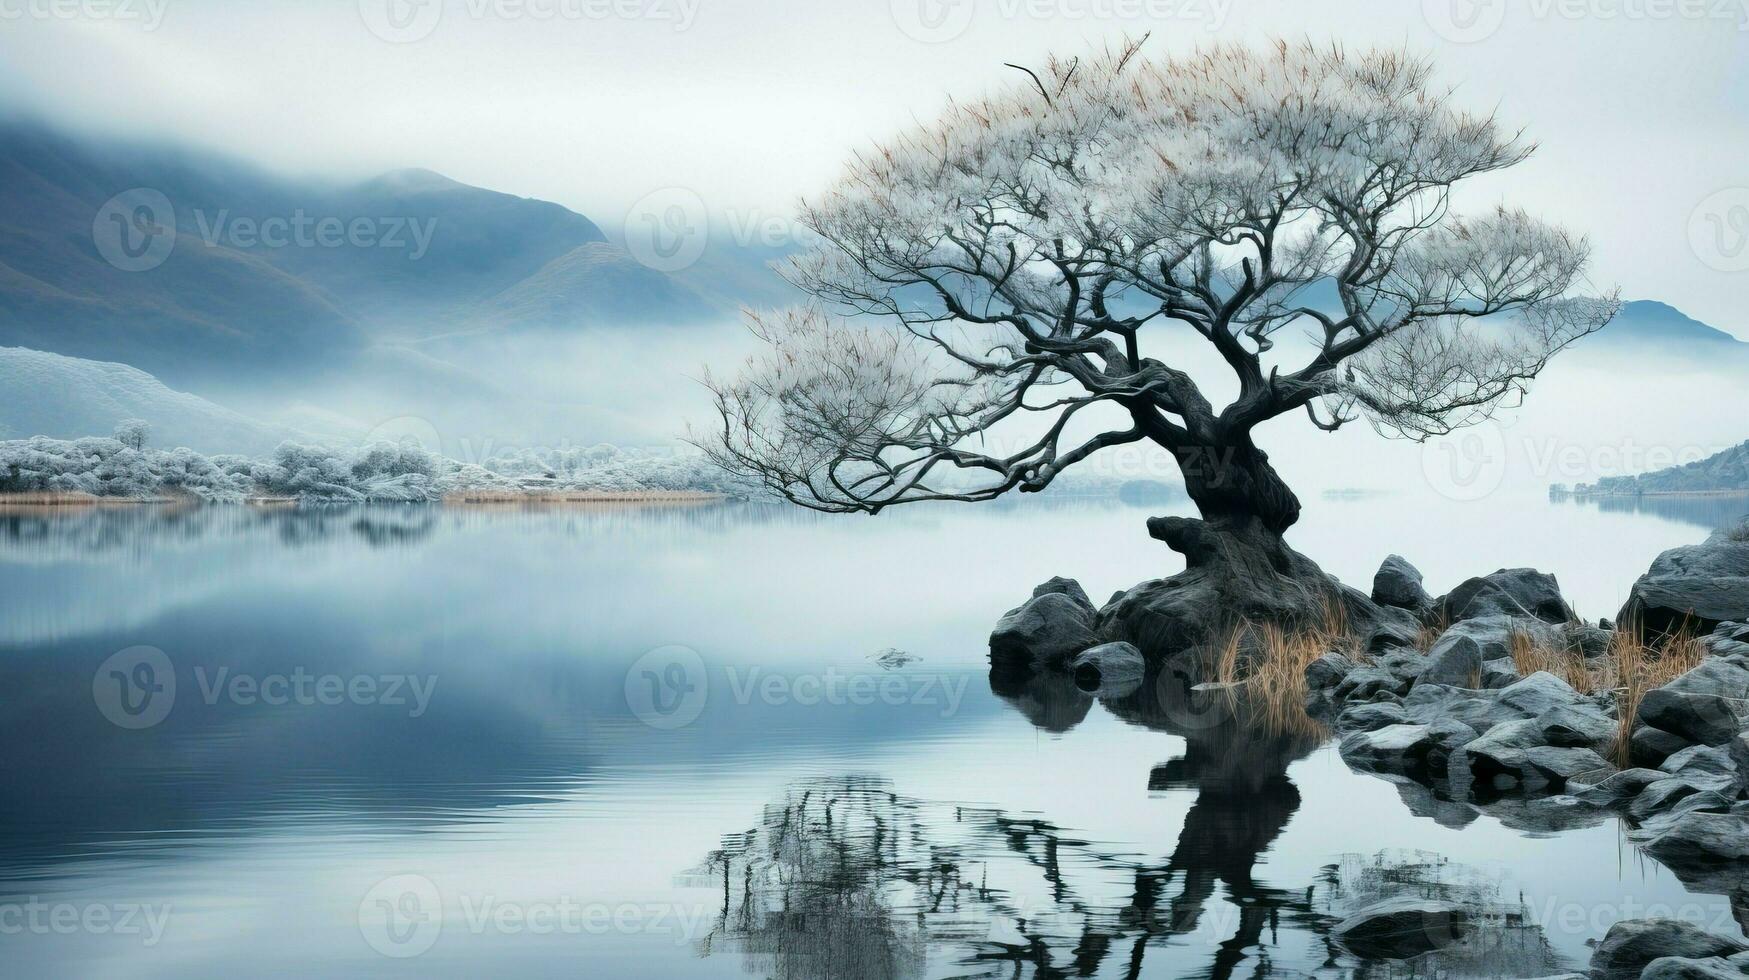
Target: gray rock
1620, 786
1699, 762
1680, 968
1327, 671
1398, 584
1698, 838
1631, 945
1405, 665
1423, 802
1068, 587
1558, 765
1494, 634
1363, 683
1729, 640
1498, 757
1370, 717
1579, 726
1402, 928
1709, 704
1109, 670
1508, 592
1230, 574
1650, 746
1592, 641
1498, 675
1698, 586
1455, 660
1537, 694
1046, 631
1739, 749
1393, 635
1663, 795
1405, 749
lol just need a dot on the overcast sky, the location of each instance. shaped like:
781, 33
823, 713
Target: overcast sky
1640, 105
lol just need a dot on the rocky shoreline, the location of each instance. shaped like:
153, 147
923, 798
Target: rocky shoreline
1463, 701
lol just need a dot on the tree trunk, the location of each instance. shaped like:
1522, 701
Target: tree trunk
1233, 483
1238, 569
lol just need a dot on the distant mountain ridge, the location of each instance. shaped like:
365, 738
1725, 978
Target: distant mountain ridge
1722, 472
1651, 322
396, 259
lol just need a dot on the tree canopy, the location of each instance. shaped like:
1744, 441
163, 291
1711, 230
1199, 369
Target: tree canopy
981, 281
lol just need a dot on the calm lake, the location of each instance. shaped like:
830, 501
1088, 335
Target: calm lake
714, 741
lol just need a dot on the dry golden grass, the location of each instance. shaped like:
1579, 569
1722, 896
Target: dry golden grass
1632, 667
1266, 665
36, 499
1277, 685
1640, 667
1529, 656
1431, 632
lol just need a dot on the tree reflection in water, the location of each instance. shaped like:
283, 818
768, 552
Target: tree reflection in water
847, 877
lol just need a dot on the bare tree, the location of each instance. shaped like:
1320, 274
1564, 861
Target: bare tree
1000, 295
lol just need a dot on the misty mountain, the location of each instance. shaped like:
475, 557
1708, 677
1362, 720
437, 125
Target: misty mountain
67, 398
1721, 472
1648, 323
212, 268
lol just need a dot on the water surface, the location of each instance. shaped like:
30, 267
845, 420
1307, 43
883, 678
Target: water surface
710, 741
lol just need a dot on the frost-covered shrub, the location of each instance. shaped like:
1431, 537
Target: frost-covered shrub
380, 472
132, 433
107, 468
